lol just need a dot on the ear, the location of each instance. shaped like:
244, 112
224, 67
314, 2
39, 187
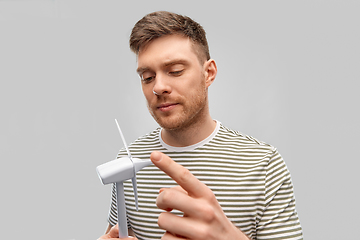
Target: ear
210, 72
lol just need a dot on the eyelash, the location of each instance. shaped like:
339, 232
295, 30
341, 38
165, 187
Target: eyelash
173, 73
147, 80
176, 73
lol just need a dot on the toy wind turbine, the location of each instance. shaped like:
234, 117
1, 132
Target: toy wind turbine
117, 171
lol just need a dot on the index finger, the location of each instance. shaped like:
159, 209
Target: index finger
180, 174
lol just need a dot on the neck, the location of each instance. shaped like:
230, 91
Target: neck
190, 135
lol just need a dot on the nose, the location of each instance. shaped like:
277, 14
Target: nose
161, 85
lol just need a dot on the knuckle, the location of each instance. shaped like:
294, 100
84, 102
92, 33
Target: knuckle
184, 175
161, 220
208, 213
166, 196
210, 196
165, 199
203, 232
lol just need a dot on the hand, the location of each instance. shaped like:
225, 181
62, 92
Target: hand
203, 216
113, 234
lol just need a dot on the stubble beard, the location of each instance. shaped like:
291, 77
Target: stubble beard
192, 112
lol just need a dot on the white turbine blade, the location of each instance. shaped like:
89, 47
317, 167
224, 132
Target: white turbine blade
133, 180
123, 139
138, 165
134, 183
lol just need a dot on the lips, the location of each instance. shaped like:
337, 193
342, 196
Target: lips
166, 106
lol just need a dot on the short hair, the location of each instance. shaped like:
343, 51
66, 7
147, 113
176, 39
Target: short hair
162, 23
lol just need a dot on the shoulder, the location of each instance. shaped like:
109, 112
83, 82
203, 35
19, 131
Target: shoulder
227, 136
253, 150
147, 138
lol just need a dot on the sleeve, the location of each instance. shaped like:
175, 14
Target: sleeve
279, 219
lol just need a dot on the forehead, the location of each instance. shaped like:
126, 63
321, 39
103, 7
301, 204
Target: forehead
166, 49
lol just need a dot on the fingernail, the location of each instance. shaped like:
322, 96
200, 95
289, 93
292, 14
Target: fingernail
156, 156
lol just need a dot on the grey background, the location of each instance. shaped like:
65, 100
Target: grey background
288, 75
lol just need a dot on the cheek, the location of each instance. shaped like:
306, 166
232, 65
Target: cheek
147, 92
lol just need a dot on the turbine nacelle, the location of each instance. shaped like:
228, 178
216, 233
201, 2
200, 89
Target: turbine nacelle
120, 170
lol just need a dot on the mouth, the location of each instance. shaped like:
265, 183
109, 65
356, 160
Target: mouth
166, 106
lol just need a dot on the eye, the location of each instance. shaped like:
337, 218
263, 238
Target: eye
147, 77
176, 73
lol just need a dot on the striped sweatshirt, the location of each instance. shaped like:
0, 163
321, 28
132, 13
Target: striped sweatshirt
248, 177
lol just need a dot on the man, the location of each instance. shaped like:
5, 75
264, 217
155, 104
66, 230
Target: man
207, 181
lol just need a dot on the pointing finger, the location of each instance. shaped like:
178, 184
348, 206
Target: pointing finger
180, 174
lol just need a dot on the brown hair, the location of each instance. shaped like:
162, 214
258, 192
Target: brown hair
157, 24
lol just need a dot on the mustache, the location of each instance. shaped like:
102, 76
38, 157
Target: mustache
167, 99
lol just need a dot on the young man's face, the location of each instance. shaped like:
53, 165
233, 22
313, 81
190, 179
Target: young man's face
173, 81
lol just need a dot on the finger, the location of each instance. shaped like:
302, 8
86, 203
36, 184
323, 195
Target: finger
167, 196
177, 188
170, 236
180, 174
114, 234
171, 198
180, 226
126, 238
162, 204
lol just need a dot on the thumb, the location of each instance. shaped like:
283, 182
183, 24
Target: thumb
114, 232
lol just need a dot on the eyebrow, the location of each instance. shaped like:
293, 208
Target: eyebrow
141, 70
175, 61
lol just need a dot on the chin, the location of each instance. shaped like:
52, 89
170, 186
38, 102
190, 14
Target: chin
176, 123
170, 124
180, 120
